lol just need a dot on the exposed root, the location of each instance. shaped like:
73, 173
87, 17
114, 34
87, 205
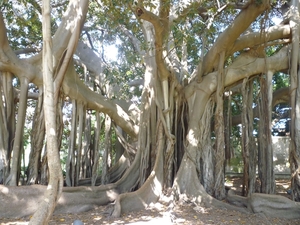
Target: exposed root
149, 192
268, 205
24, 200
187, 185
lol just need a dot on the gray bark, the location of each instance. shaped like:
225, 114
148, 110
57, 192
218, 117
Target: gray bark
4, 137
106, 155
13, 177
47, 205
37, 141
265, 154
70, 164
295, 102
79, 150
219, 189
86, 150
96, 150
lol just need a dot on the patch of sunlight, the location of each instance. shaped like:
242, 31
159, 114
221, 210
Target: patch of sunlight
157, 186
229, 183
111, 52
200, 209
4, 190
113, 223
192, 138
163, 220
157, 206
97, 218
275, 140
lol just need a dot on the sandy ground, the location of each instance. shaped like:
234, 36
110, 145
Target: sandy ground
178, 213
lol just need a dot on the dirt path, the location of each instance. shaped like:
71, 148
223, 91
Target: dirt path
180, 213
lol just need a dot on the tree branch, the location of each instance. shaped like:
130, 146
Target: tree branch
161, 29
257, 38
229, 36
76, 89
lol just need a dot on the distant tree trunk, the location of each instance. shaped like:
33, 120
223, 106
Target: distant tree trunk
119, 146
13, 178
86, 164
106, 155
96, 150
70, 164
79, 149
37, 141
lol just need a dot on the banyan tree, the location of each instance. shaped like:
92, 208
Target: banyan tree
157, 119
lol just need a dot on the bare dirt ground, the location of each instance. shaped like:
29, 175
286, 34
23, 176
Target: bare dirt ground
179, 213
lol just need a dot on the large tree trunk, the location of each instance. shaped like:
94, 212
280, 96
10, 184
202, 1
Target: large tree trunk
248, 143
47, 206
219, 189
265, 154
295, 102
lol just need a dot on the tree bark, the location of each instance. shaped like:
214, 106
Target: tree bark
106, 155
47, 206
4, 137
9, 112
219, 189
37, 141
151, 189
265, 155
13, 178
70, 164
79, 150
97, 131
295, 102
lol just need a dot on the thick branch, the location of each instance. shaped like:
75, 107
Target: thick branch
244, 66
30, 69
161, 27
229, 36
76, 89
3, 37
257, 38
